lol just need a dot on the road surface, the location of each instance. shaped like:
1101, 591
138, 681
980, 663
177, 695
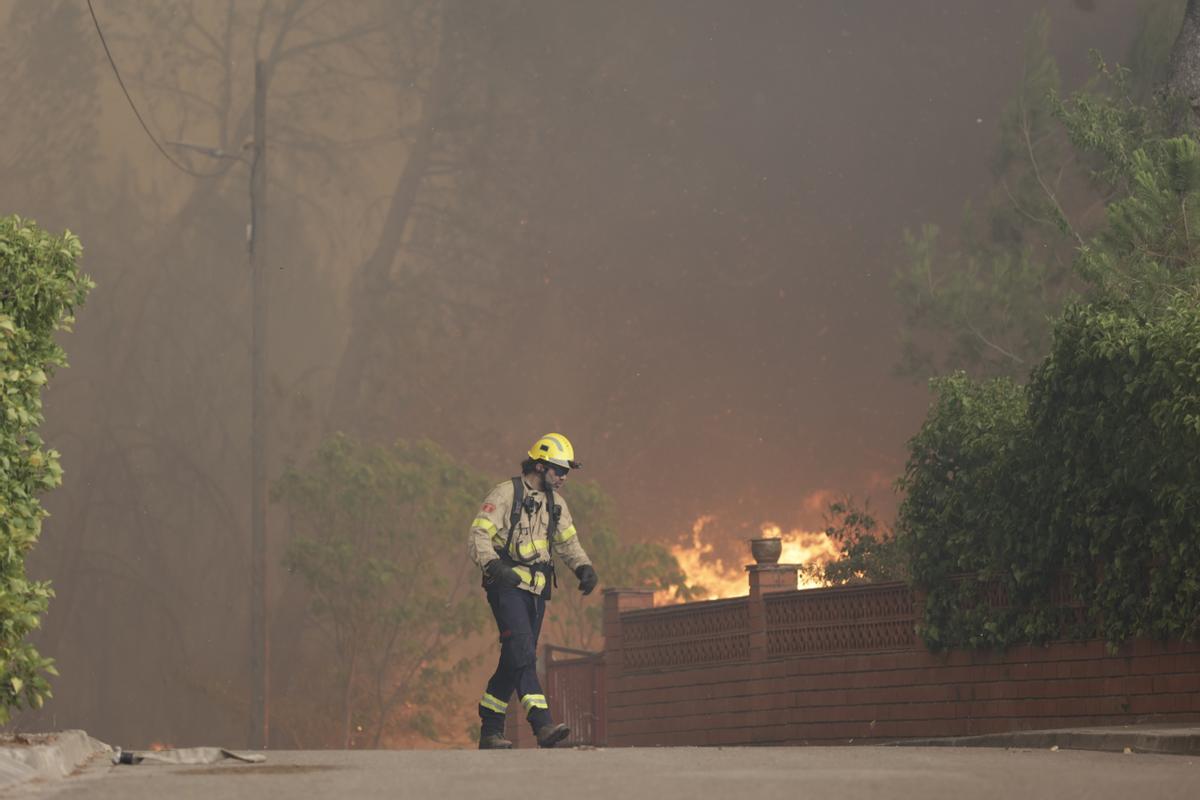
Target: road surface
760, 773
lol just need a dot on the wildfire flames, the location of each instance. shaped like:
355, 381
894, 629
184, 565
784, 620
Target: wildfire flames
721, 580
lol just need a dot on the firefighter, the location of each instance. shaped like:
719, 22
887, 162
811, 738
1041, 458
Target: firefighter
521, 525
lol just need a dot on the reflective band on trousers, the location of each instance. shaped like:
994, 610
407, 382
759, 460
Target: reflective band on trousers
492, 703
531, 701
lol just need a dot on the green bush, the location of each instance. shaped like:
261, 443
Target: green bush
969, 518
1087, 483
379, 535
1084, 483
867, 553
1116, 412
40, 286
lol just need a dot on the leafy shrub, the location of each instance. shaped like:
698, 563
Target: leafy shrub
1085, 483
969, 518
379, 535
40, 286
1088, 482
1116, 410
866, 552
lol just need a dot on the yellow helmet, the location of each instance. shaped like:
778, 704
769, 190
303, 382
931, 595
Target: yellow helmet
555, 449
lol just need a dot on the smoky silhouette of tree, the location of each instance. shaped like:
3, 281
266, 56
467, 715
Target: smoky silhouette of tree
359, 96
55, 172
52, 80
987, 301
982, 300
1183, 70
452, 265
316, 62
575, 275
162, 430
435, 221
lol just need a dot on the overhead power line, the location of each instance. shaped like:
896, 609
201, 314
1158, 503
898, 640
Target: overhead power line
133, 106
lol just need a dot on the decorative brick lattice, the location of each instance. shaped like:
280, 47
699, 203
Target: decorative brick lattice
879, 617
695, 633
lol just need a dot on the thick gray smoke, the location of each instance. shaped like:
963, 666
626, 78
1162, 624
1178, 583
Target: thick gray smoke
665, 229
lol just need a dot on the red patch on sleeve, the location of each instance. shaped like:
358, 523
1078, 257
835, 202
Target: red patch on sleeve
488, 508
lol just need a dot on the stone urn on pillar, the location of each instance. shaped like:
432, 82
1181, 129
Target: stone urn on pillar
767, 576
766, 573
766, 550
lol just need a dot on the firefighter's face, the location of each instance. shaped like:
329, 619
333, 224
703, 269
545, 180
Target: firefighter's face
555, 476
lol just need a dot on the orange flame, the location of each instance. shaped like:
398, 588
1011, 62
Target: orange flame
159, 746
721, 580
807, 548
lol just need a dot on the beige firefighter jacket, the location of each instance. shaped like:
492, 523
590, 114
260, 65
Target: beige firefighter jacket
489, 531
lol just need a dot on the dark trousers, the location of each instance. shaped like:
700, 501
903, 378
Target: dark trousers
519, 618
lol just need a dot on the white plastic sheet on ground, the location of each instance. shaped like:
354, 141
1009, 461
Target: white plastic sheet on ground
185, 755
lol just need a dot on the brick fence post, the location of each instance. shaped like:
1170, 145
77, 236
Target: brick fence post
765, 579
616, 603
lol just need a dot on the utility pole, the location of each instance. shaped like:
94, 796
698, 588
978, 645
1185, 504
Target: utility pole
260, 720
256, 247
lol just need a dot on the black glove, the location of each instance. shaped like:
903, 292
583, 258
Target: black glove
501, 573
587, 578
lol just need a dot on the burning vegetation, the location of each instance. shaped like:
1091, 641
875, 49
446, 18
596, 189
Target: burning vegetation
711, 577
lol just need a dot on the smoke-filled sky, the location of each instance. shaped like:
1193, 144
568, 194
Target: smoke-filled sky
756, 237
723, 243
718, 235
665, 229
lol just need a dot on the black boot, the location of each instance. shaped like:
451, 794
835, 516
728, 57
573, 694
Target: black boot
494, 741
550, 735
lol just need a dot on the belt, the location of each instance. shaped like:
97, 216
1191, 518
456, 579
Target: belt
544, 567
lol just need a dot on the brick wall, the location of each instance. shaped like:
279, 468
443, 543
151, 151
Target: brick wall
843, 665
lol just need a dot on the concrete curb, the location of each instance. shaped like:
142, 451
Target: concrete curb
45, 756
1181, 740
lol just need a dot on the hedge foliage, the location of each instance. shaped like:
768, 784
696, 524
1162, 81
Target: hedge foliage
1084, 484
40, 286
968, 517
373, 526
1087, 480
1115, 413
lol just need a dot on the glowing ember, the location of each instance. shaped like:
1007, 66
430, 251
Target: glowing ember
159, 746
718, 579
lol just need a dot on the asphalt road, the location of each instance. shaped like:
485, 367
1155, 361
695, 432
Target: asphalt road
657, 773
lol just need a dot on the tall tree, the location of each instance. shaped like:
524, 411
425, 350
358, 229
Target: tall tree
982, 302
1183, 76
984, 305
49, 58
169, 405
